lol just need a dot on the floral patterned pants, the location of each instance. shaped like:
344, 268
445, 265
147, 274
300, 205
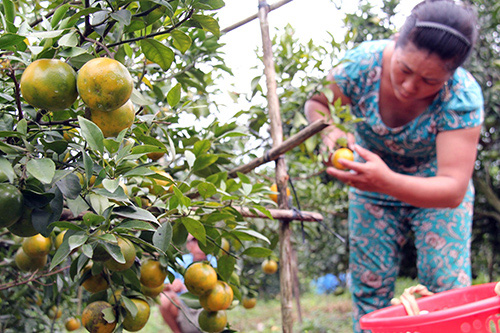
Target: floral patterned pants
377, 232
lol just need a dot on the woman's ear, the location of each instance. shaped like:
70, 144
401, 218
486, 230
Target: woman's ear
395, 37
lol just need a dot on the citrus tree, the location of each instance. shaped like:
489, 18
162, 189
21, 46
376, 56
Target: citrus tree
103, 172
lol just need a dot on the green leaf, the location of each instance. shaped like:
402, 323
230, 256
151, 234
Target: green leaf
182, 41
58, 15
157, 52
244, 178
7, 169
77, 240
62, 253
204, 161
91, 219
134, 225
208, 23
111, 184
206, 190
225, 266
129, 305
7, 40
163, 236
174, 95
123, 16
133, 212
43, 169
70, 186
109, 315
201, 147
248, 234
195, 228
92, 134
115, 252
257, 252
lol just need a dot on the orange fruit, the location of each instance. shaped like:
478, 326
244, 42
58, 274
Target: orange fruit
104, 84
29, 264
152, 292
212, 322
94, 283
342, 153
112, 122
200, 277
115, 297
55, 312
49, 84
218, 298
72, 324
162, 182
37, 246
59, 239
225, 246
249, 302
274, 197
24, 227
68, 135
152, 274
269, 266
11, 205
155, 156
134, 324
93, 318
129, 253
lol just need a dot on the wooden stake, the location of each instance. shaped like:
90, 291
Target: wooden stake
281, 173
253, 17
287, 145
282, 214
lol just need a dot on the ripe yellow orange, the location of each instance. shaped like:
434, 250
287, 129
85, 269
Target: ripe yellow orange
274, 197
152, 274
249, 302
218, 298
94, 283
49, 84
104, 84
55, 312
342, 153
212, 322
112, 122
59, 239
155, 156
24, 226
162, 182
200, 277
93, 318
29, 264
225, 246
69, 134
269, 266
72, 324
37, 246
152, 292
134, 324
11, 205
129, 253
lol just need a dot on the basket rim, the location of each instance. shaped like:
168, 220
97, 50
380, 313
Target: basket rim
379, 317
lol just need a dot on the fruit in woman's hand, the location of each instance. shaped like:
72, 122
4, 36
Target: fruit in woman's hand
342, 153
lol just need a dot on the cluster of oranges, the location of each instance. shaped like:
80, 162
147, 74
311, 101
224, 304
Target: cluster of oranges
105, 86
32, 255
215, 295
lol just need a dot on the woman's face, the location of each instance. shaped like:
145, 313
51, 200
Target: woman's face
416, 74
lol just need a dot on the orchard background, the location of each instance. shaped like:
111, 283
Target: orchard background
96, 189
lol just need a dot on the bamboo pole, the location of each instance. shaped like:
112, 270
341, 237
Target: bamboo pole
282, 214
274, 6
275, 152
281, 173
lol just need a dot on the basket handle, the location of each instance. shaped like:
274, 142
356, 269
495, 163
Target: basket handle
410, 302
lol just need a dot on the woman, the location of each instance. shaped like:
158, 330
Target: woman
414, 151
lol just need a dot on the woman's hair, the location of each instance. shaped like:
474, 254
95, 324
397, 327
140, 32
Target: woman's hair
441, 27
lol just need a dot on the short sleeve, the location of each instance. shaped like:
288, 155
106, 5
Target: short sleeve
463, 105
357, 68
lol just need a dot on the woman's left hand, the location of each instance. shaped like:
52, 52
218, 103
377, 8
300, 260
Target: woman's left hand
372, 176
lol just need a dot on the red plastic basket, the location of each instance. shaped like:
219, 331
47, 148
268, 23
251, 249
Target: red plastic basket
474, 309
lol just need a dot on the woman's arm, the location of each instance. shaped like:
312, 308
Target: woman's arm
456, 155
